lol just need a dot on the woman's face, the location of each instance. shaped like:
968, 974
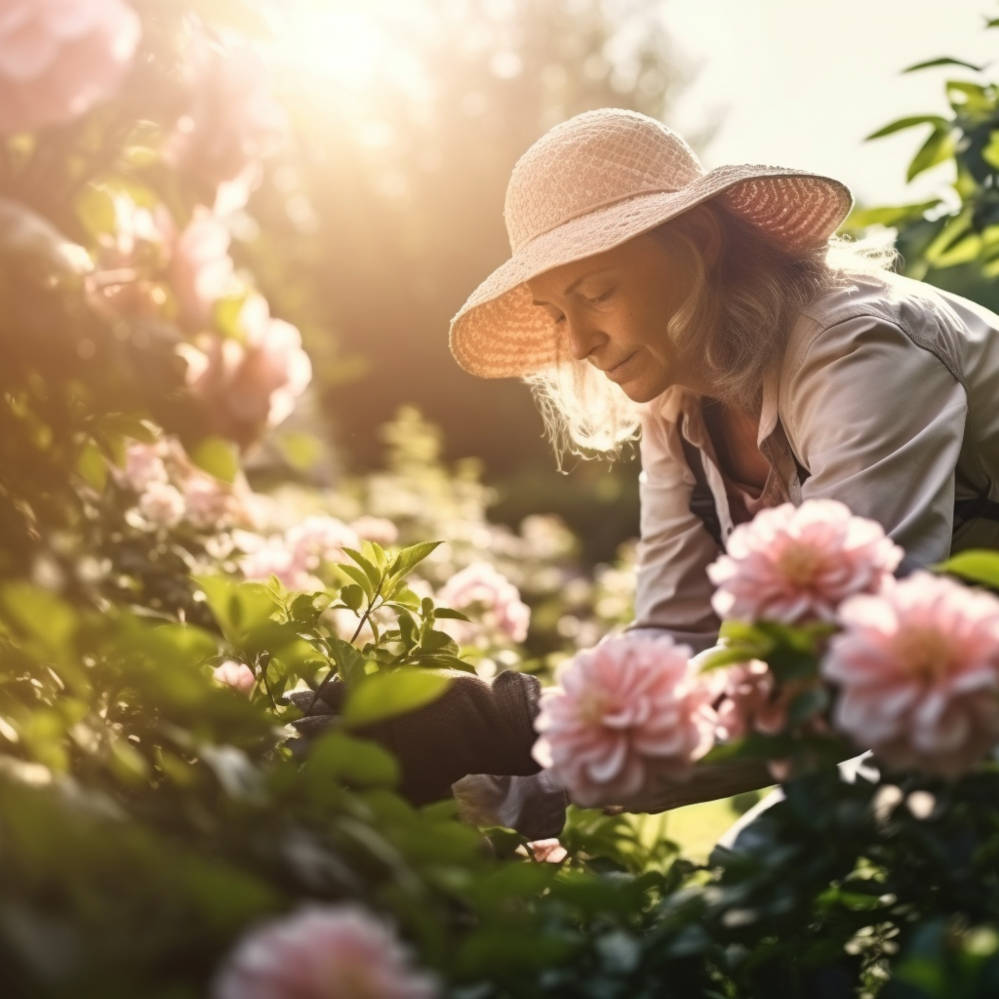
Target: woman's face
612, 309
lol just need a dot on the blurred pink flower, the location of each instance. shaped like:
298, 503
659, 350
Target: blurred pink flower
275, 557
320, 539
201, 270
60, 57
232, 120
162, 504
209, 503
482, 585
252, 383
793, 564
918, 672
239, 676
383, 532
547, 851
630, 708
328, 952
143, 466
749, 702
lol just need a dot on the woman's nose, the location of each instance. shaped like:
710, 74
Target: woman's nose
583, 339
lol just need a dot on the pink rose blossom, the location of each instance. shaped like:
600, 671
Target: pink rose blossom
58, 58
629, 709
792, 564
201, 270
328, 952
162, 504
239, 676
377, 529
918, 672
481, 585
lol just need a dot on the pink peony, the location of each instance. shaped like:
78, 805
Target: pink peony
918, 672
239, 676
794, 564
631, 708
60, 57
328, 952
481, 585
201, 270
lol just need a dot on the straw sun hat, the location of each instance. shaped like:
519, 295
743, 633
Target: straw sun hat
596, 181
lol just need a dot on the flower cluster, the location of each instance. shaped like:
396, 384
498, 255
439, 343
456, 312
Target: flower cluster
625, 712
171, 489
481, 587
295, 555
322, 952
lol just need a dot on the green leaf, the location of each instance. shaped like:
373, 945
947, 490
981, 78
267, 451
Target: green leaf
436, 641
967, 97
412, 556
448, 614
359, 576
218, 457
349, 661
937, 148
909, 122
943, 61
92, 466
41, 615
976, 565
95, 209
385, 695
889, 215
302, 451
238, 606
807, 703
991, 151
370, 570
353, 596
338, 756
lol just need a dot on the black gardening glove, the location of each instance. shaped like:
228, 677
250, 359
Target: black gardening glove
474, 727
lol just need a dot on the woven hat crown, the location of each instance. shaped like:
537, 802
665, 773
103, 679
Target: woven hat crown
595, 159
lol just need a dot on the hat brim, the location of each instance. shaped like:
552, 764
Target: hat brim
500, 333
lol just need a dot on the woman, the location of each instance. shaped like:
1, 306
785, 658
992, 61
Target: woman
761, 359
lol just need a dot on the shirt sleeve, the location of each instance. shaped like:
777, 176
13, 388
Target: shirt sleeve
672, 590
878, 422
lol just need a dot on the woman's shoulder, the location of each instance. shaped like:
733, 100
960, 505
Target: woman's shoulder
932, 319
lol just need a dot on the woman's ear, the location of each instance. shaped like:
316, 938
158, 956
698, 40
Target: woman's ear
706, 232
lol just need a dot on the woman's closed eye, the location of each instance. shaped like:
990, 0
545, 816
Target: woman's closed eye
597, 299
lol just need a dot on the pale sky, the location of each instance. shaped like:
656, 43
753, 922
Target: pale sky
801, 82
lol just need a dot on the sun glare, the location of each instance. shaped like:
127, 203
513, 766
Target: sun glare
342, 49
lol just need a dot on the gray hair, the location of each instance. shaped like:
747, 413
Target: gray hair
737, 315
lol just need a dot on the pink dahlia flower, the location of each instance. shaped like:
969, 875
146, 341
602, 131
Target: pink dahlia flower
239, 676
162, 504
275, 557
143, 465
793, 564
483, 586
630, 708
918, 673
329, 952
60, 57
